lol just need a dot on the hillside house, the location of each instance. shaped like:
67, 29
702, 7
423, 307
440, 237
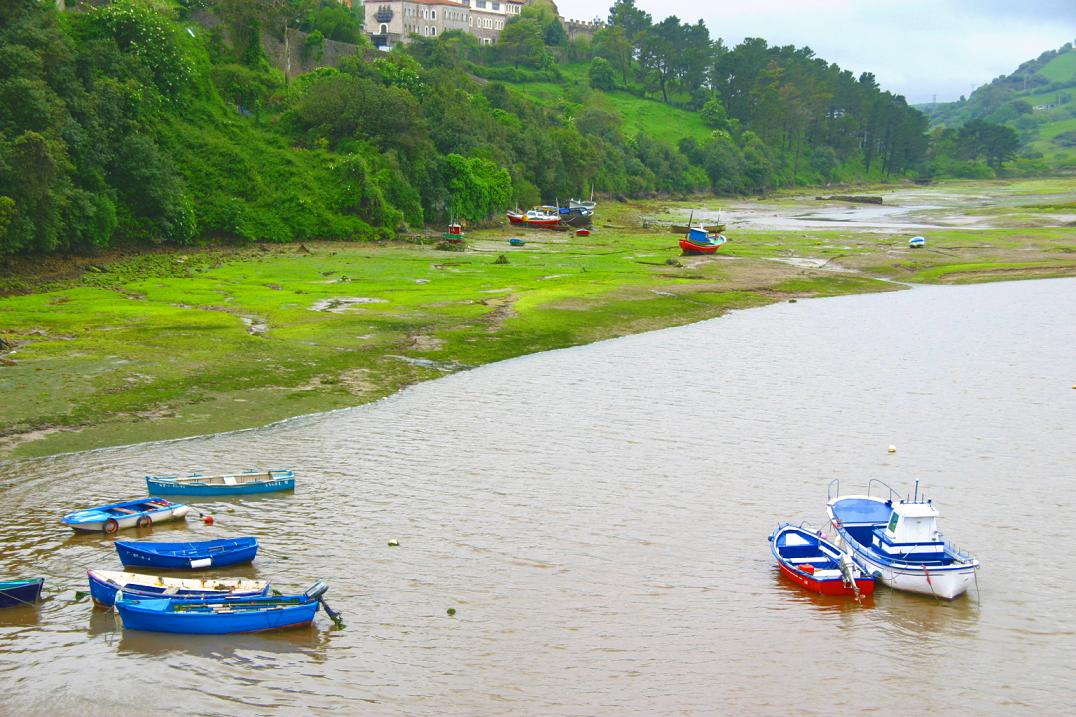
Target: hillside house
394, 21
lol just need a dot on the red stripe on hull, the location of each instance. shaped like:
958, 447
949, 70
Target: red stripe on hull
698, 248
827, 587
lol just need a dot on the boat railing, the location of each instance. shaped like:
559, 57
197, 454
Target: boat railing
892, 491
961, 555
833, 490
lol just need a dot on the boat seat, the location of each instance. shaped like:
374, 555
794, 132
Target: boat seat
827, 573
806, 560
229, 480
124, 510
171, 591
155, 504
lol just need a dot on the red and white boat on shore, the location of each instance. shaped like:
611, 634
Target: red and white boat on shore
537, 218
806, 557
699, 241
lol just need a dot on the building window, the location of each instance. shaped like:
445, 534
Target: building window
433, 31
384, 29
433, 14
497, 6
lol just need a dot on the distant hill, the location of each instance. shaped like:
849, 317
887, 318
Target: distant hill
1038, 100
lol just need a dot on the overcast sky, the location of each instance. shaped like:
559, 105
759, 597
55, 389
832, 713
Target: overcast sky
916, 48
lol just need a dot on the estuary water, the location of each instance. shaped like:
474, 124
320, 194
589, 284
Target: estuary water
597, 517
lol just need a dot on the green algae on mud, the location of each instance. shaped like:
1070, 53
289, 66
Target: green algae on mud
181, 343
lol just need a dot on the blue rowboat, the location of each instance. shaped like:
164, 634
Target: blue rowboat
220, 616
187, 556
917, 242
104, 584
20, 592
224, 484
142, 512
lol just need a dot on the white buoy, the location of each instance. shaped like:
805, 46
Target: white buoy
892, 449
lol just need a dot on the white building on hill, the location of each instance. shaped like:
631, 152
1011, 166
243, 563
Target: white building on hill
393, 21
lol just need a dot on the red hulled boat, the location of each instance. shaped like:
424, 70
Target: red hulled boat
807, 558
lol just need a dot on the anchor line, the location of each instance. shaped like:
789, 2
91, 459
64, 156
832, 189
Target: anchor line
929, 583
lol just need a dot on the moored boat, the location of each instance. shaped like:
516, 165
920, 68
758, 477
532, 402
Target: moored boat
896, 540
576, 216
224, 484
187, 556
537, 218
807, 558
141, 512
105, 584
20, 592
454, 235
220, 616
917, 242
699, 241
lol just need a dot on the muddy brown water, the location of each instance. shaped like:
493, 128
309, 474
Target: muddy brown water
597, 517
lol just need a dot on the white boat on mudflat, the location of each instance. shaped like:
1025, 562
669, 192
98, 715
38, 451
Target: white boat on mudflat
898, 541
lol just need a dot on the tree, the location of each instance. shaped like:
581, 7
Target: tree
522, 43
633, 21
601, 74
714, 114
995, 143
611, 44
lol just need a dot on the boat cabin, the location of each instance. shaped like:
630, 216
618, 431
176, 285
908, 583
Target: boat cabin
455, 229
911, 532
699, 235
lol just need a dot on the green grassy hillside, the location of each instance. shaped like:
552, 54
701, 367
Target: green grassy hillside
1038, 100
657, 119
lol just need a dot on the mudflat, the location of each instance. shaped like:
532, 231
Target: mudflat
118, 349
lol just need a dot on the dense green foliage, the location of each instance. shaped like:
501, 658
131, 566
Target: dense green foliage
134, 122
1037, 102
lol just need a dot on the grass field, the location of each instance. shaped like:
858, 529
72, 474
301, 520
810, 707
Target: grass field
118, 349
657, 119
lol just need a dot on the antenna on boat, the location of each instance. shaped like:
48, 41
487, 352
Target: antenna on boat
690, 219
915, 497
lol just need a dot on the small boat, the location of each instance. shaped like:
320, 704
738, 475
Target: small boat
187, 556
898, 542
807, 558
516, 241
582, 232
917, 242
141, 512
224, 484
537, 218
105, 584
20, 592
219, 616
699, 241
708, 228
454, 235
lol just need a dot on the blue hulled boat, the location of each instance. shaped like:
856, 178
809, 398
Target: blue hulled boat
105, 584
220, 616
20, 592
187, 556
224, 484
896, 540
